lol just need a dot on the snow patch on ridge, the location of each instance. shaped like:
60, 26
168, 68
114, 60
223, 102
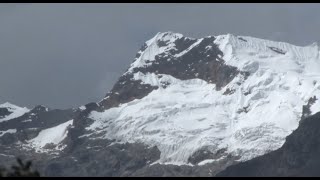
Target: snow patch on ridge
16, 111
153, 49
82, 108
11, 131
159, 80
52, 135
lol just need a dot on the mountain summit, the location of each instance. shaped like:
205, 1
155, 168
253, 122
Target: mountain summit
240, 94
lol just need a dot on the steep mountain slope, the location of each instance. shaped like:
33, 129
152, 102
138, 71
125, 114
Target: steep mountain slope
23, 124
184, 107
299, 156
239, 95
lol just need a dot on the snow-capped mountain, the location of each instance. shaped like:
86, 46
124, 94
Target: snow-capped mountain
250, 103
194, 104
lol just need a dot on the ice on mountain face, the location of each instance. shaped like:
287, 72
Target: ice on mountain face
52, 135
187, 115
256, 49
15, 111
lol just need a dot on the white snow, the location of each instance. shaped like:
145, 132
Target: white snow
154, 79
52, 135
28, 120
206, 162
189, 48
11, 131
153, 49
191, 114
16, 111
82, 108
315, 107
257, 50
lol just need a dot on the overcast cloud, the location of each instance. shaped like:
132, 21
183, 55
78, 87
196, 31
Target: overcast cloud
66, 55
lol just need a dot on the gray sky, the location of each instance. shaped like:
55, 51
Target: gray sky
66, 55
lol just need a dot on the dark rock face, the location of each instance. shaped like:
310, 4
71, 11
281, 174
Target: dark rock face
203, 61
306, 108
96, 157
125, 90
277, 50
4, 112
206, 170
80, 122
299, 156
204, 154
41, 120
99, 158
242, 39
8, 138
30, 124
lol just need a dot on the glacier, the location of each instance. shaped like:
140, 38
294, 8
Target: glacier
253, 118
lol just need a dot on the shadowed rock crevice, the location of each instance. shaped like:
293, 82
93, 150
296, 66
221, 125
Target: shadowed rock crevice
4, 112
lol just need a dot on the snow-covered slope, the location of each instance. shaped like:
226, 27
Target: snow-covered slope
153, 49
249, 116
34, 128
52, 135
13, 111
